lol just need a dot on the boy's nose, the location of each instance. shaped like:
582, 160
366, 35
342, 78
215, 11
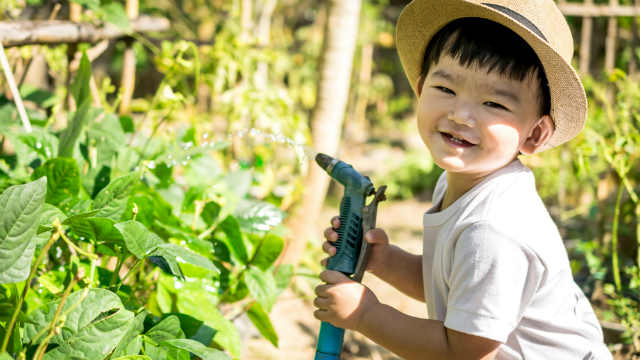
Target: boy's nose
462, 115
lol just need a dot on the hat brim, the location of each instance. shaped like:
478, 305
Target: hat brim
421, 20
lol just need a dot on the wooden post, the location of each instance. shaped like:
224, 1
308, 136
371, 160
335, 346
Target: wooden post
585, 41
75, 14
128, 79
633, 61
610, 44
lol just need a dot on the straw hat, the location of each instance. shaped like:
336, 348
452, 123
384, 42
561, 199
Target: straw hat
539, 22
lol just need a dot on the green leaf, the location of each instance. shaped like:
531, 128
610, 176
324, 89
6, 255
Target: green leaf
267, 251
5, 356
261, 320
101, 180
107, 136
262, 287
70, 135
112, 200
233, 239
21, 206
80, 88
115, 14
258, 216
126, 123
133, 357
226, 335
95, 321
168, 328
130, 342
41, 141
175, 254
63, 179
196, 348
139, 240
210, 212
196, 329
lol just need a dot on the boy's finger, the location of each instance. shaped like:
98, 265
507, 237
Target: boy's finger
376, 236
331, 234
322, 290
335, 222
333, 277
328, 248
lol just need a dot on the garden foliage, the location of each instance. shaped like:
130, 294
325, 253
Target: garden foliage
109, 251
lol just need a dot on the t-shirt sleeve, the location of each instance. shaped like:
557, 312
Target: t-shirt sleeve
492, 279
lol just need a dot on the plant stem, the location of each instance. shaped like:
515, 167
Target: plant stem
75, 247
116, 271
614, 240
27, 285
128, 273
52, 328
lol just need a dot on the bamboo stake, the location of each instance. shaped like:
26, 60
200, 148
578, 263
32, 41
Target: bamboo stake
585, 41
610, 44
14, 90
128, 79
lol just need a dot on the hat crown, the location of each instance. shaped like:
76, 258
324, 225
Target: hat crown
542, 17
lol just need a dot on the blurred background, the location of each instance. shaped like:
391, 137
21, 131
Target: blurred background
274, 81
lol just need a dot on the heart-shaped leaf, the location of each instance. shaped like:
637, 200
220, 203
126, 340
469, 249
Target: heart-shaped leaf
112, 200
95, 321
21, 206
138, 239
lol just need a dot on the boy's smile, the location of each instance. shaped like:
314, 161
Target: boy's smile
475, 122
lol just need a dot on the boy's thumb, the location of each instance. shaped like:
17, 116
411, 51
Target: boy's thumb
376, 236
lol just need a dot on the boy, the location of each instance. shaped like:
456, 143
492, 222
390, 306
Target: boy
493, 81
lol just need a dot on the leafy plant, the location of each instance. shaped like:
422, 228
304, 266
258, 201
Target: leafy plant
117, 252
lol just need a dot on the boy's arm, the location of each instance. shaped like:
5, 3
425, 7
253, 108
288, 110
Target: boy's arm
348, 304
402, 270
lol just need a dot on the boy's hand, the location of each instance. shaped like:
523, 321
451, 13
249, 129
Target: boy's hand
342, 301
377, 238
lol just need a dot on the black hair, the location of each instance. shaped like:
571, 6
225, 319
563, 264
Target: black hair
487, 44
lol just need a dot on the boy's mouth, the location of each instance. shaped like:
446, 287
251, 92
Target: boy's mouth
456, 141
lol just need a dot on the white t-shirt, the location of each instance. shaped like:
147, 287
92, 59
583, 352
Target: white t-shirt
494, 265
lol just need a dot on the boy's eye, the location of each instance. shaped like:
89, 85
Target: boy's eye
495, 105
444, 90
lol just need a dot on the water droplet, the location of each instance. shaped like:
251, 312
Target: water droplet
170, 157
151, 165
206, 135
188, 157
178, 284
184, 163
38, 145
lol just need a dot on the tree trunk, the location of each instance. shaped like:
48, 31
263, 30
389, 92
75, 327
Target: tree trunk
341, 30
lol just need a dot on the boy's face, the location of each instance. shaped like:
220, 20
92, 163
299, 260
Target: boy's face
475, 122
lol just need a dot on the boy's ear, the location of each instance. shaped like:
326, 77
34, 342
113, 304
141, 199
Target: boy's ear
538, 135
